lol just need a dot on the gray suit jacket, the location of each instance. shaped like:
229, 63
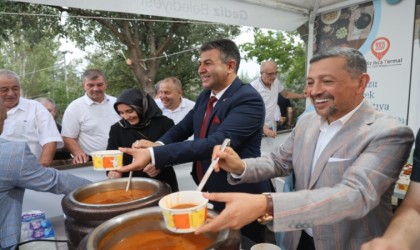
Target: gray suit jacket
347, 199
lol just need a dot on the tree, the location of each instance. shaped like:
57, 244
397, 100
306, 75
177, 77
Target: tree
150, 47
288, 51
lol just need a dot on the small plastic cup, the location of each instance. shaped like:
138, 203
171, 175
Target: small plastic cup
184, 211
107, 160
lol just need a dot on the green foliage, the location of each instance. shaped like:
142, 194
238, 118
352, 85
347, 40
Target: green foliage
285, 48
152, 48
31, 27
288, 51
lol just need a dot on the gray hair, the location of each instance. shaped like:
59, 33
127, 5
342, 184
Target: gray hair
174, 80
356, 63
92, 74
45, 100
10, 74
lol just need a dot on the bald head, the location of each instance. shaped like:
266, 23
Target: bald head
268, 65
170, 92
268, 72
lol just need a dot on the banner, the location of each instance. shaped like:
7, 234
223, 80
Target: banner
383, 32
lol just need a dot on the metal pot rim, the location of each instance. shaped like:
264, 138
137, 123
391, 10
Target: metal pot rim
74, 193
111, 224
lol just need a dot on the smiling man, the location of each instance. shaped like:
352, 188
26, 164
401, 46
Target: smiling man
172, 104
269, 88
237, 114
87, 120
27, 120
346, 158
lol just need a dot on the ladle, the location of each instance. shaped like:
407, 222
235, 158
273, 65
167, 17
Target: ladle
206, 176
130, 176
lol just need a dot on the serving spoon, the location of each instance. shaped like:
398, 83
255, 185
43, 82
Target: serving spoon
206, 176
130, 176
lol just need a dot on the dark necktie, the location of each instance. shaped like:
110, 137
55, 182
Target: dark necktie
203, 129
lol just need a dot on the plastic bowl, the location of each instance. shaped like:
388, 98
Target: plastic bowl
107, 160
184, 211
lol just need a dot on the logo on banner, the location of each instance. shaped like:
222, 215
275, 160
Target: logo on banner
380, 47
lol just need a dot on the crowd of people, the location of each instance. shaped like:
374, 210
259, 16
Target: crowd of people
345, 157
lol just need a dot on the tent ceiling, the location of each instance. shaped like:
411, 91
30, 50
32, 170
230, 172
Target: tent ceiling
272, 14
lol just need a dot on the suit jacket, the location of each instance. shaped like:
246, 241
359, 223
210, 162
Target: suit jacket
347, 199
238, 115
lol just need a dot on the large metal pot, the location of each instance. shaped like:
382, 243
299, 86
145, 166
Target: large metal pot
148, 219
81, 218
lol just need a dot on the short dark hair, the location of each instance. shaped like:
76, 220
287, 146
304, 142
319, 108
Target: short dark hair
228, 50
356, 63
92, 74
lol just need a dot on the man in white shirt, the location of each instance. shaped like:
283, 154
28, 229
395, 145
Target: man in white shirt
28, 120
269, 86
87, 120
172, 104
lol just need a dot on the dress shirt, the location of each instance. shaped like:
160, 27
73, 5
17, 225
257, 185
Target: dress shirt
269, 96
180, 112
30, 122
89, 122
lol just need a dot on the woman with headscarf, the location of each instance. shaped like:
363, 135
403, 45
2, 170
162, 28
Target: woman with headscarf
141, 119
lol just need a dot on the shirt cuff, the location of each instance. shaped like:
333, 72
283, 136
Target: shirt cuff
152, 155
236, 176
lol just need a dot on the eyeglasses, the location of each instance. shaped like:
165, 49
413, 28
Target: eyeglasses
272, 73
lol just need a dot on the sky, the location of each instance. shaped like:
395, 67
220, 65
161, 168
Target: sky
250, 68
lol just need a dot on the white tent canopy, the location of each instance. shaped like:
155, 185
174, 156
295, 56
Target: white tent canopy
286, 15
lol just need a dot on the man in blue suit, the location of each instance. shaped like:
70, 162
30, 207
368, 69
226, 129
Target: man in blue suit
238, 114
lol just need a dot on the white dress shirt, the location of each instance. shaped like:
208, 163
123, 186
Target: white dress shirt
30, 121
89, 122
180, 112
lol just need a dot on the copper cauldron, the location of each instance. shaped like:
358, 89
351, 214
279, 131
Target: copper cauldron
114, 231
81, 218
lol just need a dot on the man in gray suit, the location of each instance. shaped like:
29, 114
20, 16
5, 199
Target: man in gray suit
346, 158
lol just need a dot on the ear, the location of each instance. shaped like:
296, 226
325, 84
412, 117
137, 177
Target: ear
231, 65
363, 81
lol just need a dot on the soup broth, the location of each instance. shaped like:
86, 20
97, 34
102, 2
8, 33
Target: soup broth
182, 206
116, 196
163, 241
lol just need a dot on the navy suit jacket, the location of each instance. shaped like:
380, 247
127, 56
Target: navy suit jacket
237, 115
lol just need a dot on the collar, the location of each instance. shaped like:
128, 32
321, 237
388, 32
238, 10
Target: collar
90, 102
220, 94
262, 83
20, 106
323, 122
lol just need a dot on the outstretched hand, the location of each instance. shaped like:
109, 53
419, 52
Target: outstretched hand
241, 209
141, 158
144, 144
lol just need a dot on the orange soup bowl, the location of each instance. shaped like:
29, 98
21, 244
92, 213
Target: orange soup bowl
184, 211
107, 160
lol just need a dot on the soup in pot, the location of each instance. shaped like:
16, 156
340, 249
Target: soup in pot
163, 241
116, 196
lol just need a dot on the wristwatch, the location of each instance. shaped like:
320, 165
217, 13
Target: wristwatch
268, 216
